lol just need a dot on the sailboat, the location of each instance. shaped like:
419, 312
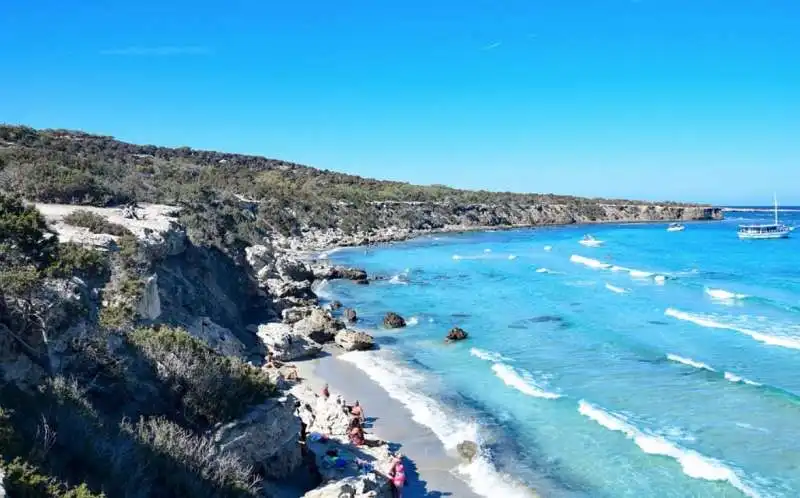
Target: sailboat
769, 231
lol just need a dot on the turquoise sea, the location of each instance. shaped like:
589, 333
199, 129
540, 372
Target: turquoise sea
656, 365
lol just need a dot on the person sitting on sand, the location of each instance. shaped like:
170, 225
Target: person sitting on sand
357, 411
356, 435
397, 475
325, 392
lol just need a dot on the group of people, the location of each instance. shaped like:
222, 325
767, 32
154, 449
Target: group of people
355, 434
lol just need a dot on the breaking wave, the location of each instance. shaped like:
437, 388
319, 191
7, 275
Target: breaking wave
730, 377
708, 322
488, 355
614, 288
723, 295
405, 386
525, 385
692, 463
591, 263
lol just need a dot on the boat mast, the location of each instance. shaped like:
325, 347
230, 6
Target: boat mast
775, 198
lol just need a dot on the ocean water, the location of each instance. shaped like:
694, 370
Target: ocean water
657, 365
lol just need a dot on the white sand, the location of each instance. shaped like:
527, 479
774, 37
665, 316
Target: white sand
429, 474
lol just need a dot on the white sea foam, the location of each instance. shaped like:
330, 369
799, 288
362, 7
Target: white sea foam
457, 257
526, 386
690, 362
737, 379
704, 321
512, 257
591, 263
404, 385
546, 270
548, 248
412, 321
614, 288
729, 376
620, 268
660, 279
640, 274
723, 295
487, 250
398, 280
692, 463
321, 289
488, 355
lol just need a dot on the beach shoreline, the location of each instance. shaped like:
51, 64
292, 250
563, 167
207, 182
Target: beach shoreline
429, 467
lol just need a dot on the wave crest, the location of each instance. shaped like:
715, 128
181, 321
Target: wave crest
692, 463
704, 321
524, 385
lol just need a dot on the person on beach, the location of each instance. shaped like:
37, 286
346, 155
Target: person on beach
357, 411
397, 476
325, 392
356, 434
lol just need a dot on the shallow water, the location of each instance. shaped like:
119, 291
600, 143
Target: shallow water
657, 365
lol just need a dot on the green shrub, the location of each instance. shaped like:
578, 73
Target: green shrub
95, 223
24, 480
75, 260
213, 388
195, 454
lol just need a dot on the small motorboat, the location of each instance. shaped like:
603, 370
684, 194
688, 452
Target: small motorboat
590, 241
676, 227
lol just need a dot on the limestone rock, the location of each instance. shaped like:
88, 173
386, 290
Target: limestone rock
354, 274
323, 271
319, 326
361, 486
393, 321
266, 438
350, 315
351, 340
259, 256
294, 315
289, 288
285, 344
218, 338
149, 306
456, 334
467, 450
290, 269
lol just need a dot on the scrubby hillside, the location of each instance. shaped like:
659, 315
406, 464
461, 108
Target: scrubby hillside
234, 200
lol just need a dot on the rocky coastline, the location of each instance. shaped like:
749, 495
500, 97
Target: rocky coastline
263, 309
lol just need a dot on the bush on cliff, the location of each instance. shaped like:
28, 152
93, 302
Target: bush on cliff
94, 222
213, 388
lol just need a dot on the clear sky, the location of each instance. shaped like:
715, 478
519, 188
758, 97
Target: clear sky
653, 99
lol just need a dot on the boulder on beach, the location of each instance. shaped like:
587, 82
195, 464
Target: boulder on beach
352, 340
467, 450
350, 315
393, 321
285, 344
456, 334
319, 326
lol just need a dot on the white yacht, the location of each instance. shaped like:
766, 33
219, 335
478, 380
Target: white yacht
676, 227
768, 231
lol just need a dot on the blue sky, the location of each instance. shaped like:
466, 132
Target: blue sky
654, 99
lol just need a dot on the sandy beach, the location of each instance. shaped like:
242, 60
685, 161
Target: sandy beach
429, 466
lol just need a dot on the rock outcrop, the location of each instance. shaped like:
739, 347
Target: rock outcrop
318, 326
350, 315
456, 334
219, 338
149, 307
266, 438
351, 340
286, 345
467, 450
363, 486
393, 321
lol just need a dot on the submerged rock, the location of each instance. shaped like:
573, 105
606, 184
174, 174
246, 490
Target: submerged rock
351, 340
350, 315
265, 438
467, 450
393, 321
456, 334
336, 305
281, 340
